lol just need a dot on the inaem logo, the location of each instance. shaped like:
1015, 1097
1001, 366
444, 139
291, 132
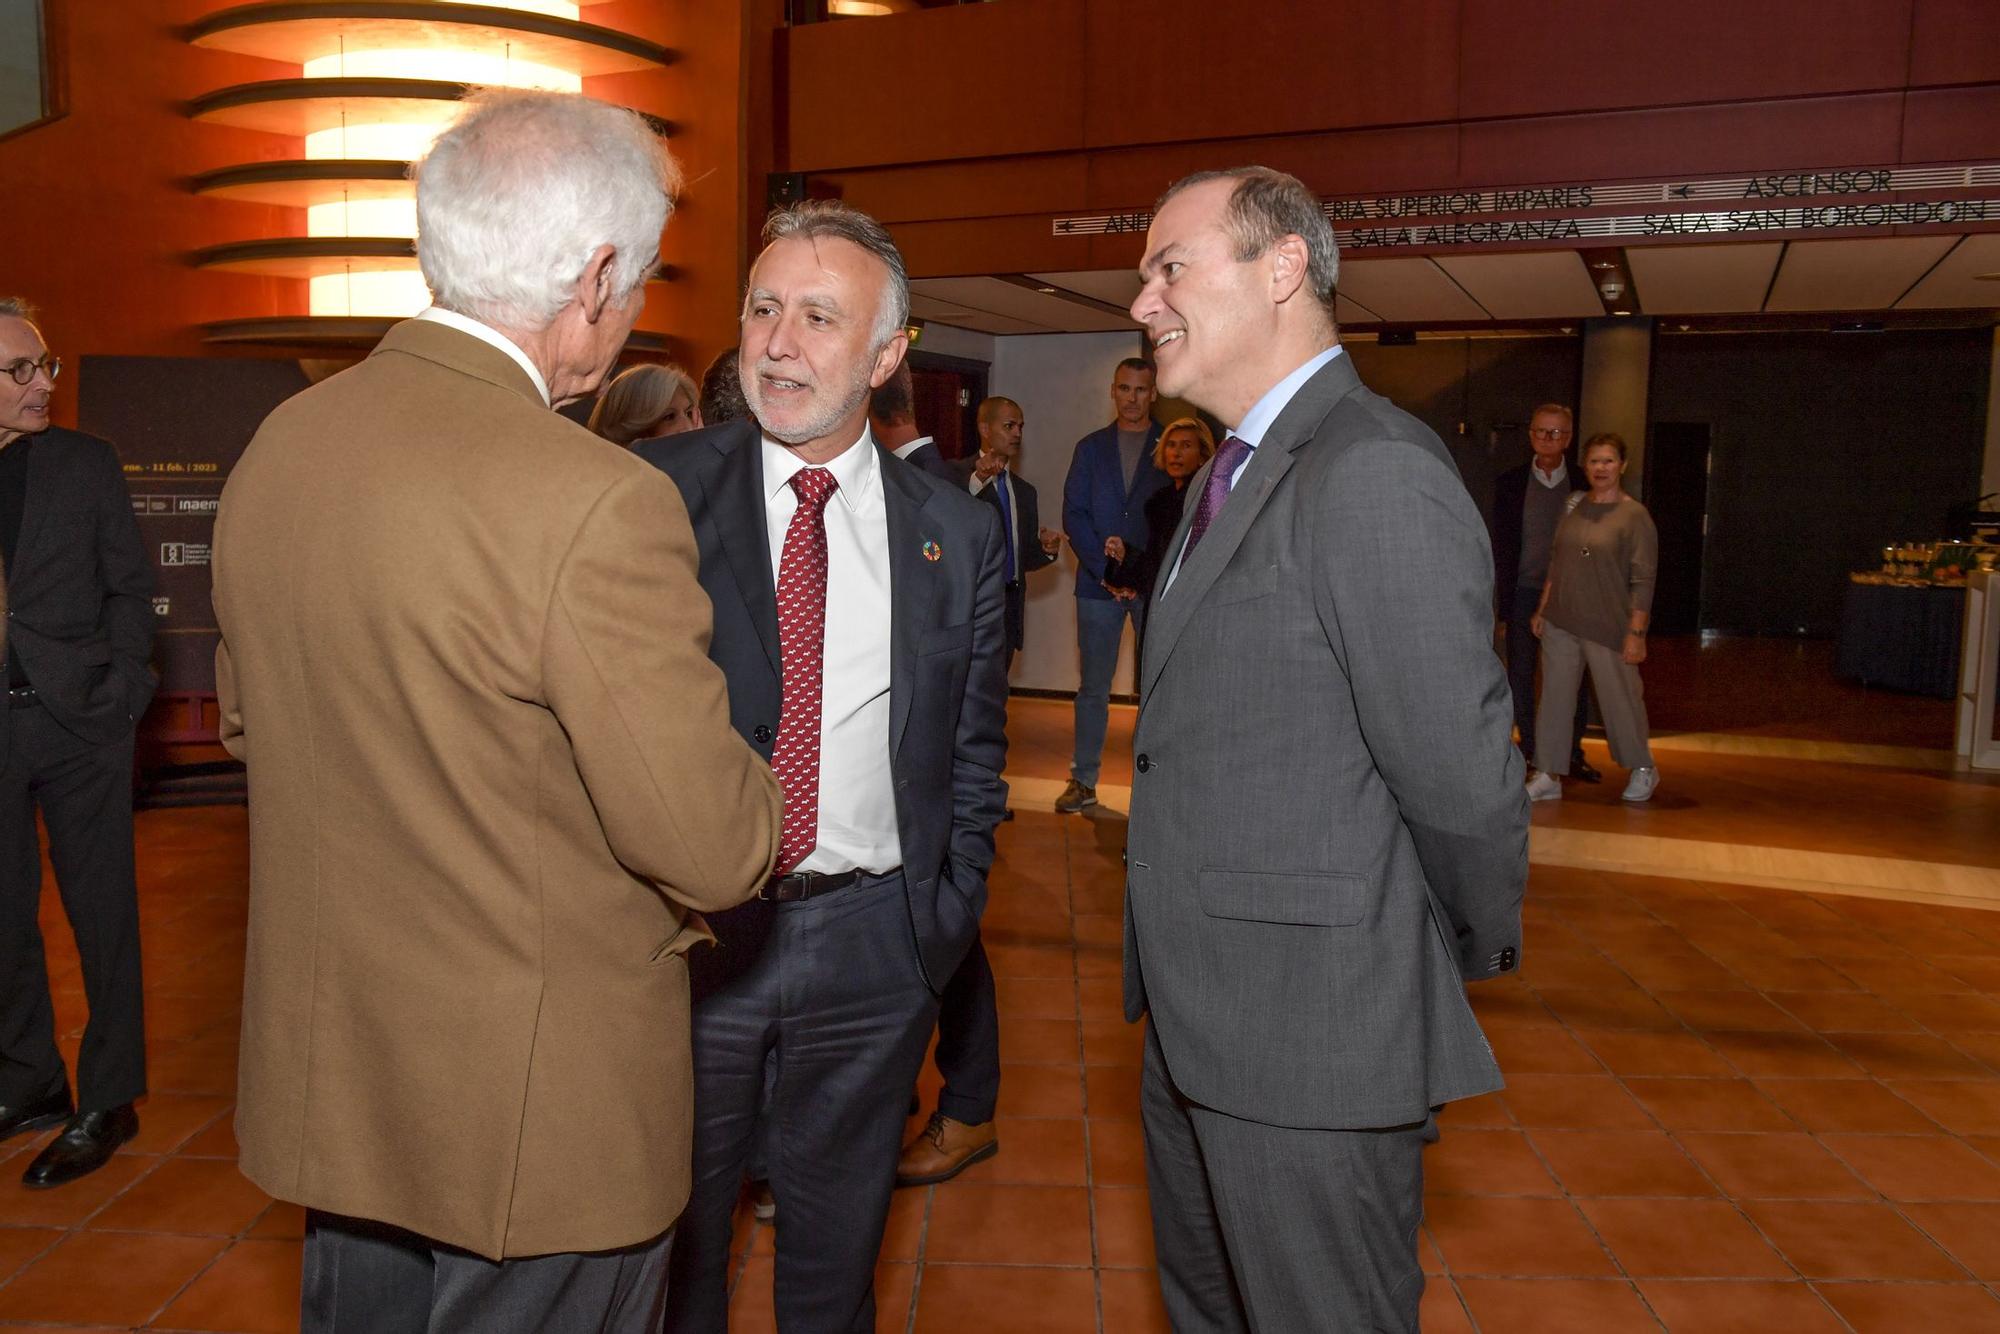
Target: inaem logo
163, 606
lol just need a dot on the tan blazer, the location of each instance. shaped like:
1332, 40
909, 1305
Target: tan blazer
491, 770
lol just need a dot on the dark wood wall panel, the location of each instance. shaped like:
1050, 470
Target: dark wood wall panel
1161, 70
1587, 55
1955, 41
1817, 132
1944, 124
968, 81
1016, 112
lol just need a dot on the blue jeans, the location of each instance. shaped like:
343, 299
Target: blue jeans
1100, 627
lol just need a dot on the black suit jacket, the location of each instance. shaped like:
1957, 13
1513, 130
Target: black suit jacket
927, 457
80, 591
1510, 492
1028, 553
947, 691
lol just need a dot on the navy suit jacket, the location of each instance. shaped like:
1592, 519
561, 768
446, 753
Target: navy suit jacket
1097, 504
947, 691
1028, 553
932, 462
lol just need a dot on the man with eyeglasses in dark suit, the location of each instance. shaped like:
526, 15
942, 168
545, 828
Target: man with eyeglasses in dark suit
1528, 503
79, 633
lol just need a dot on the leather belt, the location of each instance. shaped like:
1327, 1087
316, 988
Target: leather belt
22, 697
802, 885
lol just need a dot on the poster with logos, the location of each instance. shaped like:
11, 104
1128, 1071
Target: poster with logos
179, 424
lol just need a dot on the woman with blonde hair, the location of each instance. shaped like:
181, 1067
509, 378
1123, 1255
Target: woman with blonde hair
1180, 451
647, 401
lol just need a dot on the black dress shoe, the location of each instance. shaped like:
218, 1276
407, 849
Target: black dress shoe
48, 1110
85, 1145
1579, 769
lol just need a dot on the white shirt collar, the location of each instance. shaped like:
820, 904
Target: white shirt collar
1279, 396
486, 333
904, 451
1559, 477
855, 470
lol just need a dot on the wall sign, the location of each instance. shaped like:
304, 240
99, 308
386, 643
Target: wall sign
1472, 217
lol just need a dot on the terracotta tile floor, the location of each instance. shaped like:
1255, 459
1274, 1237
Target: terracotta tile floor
1728, 1109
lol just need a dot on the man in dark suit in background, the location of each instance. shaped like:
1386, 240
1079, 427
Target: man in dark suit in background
1329, 832
1111, 477
961, 1131
722, 392
892, 419
78, 637
859, 621
1528, 505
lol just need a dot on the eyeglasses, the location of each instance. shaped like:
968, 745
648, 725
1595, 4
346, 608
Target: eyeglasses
1540, 432
23, 371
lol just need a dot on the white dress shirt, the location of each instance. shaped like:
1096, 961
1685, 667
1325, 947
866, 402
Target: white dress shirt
904, 451
1256, 422
1554, 481
857, 790
486, 333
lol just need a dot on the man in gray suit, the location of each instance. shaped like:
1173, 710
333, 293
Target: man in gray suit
1328, 829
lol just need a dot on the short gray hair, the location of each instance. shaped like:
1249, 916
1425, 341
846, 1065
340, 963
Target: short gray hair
514, 198
16, 308
1267, 206
812, 219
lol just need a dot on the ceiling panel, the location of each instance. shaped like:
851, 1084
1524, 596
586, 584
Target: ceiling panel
1119, 287
1863, 274
1346, 310
1025, 304
930, 308
1955, 283
1406, 291
1703, 279
1543, 285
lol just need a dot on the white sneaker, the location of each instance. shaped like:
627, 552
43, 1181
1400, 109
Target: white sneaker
1545, 787
1642, 783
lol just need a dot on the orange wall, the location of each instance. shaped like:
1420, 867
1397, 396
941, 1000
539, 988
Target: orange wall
966, 127
99, 222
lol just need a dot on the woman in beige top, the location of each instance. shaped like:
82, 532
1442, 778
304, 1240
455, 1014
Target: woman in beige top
1594, 611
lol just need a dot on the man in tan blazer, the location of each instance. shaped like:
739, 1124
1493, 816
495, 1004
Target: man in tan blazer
492, 779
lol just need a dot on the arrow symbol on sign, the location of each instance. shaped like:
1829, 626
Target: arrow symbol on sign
1681, 191
1065, 226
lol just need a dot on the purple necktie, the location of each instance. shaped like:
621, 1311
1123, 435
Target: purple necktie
1227, 460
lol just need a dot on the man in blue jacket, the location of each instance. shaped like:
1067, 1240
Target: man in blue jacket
1110, 480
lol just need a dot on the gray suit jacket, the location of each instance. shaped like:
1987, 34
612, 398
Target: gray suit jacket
1329, 832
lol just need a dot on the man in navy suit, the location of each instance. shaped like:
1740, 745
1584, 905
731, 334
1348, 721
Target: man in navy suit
1111, 478
858, 610
962, 1130
892, 419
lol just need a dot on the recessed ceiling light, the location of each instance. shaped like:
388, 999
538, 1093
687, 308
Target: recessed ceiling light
1050, 290
1621, 312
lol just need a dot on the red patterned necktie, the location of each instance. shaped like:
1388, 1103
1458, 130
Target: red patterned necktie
802, 652
1220, 478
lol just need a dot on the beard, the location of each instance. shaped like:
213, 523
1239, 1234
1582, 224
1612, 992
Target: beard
827, 406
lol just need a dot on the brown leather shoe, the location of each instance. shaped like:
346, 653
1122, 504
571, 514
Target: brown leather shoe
944, 1149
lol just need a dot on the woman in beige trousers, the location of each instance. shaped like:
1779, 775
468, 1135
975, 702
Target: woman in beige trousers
1595, 608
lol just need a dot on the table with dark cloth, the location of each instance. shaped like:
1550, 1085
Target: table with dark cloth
1902, 637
